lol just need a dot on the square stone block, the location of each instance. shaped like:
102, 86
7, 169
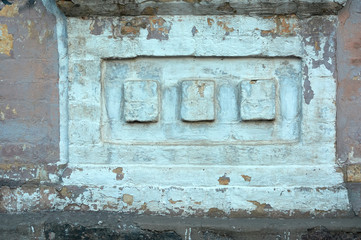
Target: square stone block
141, 102
197, 101
258, 100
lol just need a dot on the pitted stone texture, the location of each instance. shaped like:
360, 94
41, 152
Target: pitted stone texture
258, 100
141, 101
197, 101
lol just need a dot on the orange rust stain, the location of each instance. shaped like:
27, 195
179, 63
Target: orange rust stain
9, 11
317, 47
224, 180
246, 178
157, 28
174, 202
128, 199
260, 207
210, 21
225, 27
119, 172
6, 40
285, 26
129, 30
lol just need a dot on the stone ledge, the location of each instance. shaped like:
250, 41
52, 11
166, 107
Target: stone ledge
102, 225
302, 8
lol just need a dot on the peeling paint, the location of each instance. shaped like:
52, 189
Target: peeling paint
158, 29
128, 199
260, 207
97, 27
224, 180
285, 26
174, 202
224, 26
308, 93
119, 172
246, 178
194, 31
6, 40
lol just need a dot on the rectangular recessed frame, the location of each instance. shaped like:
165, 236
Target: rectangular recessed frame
227, 75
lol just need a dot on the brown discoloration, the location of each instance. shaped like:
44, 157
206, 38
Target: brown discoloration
198, 203
119, 172
174, 202
224, 180
353, 173
129, 27
9, 10
150, 11
76, 207
285, 26
215, 212
158, 29
226, 8
260, 207
144, 207
6, 40
224, 26
111, 206
210, 21
128, 199
64, 192
246, 178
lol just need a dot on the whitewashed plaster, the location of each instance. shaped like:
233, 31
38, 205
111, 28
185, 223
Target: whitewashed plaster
172, 160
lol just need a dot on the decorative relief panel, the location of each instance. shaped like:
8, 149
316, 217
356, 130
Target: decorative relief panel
234, 105
174, 109
141, 101
197, 101
258, 100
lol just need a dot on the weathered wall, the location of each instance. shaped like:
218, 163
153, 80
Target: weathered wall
29, 113
349, 98
30, 163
